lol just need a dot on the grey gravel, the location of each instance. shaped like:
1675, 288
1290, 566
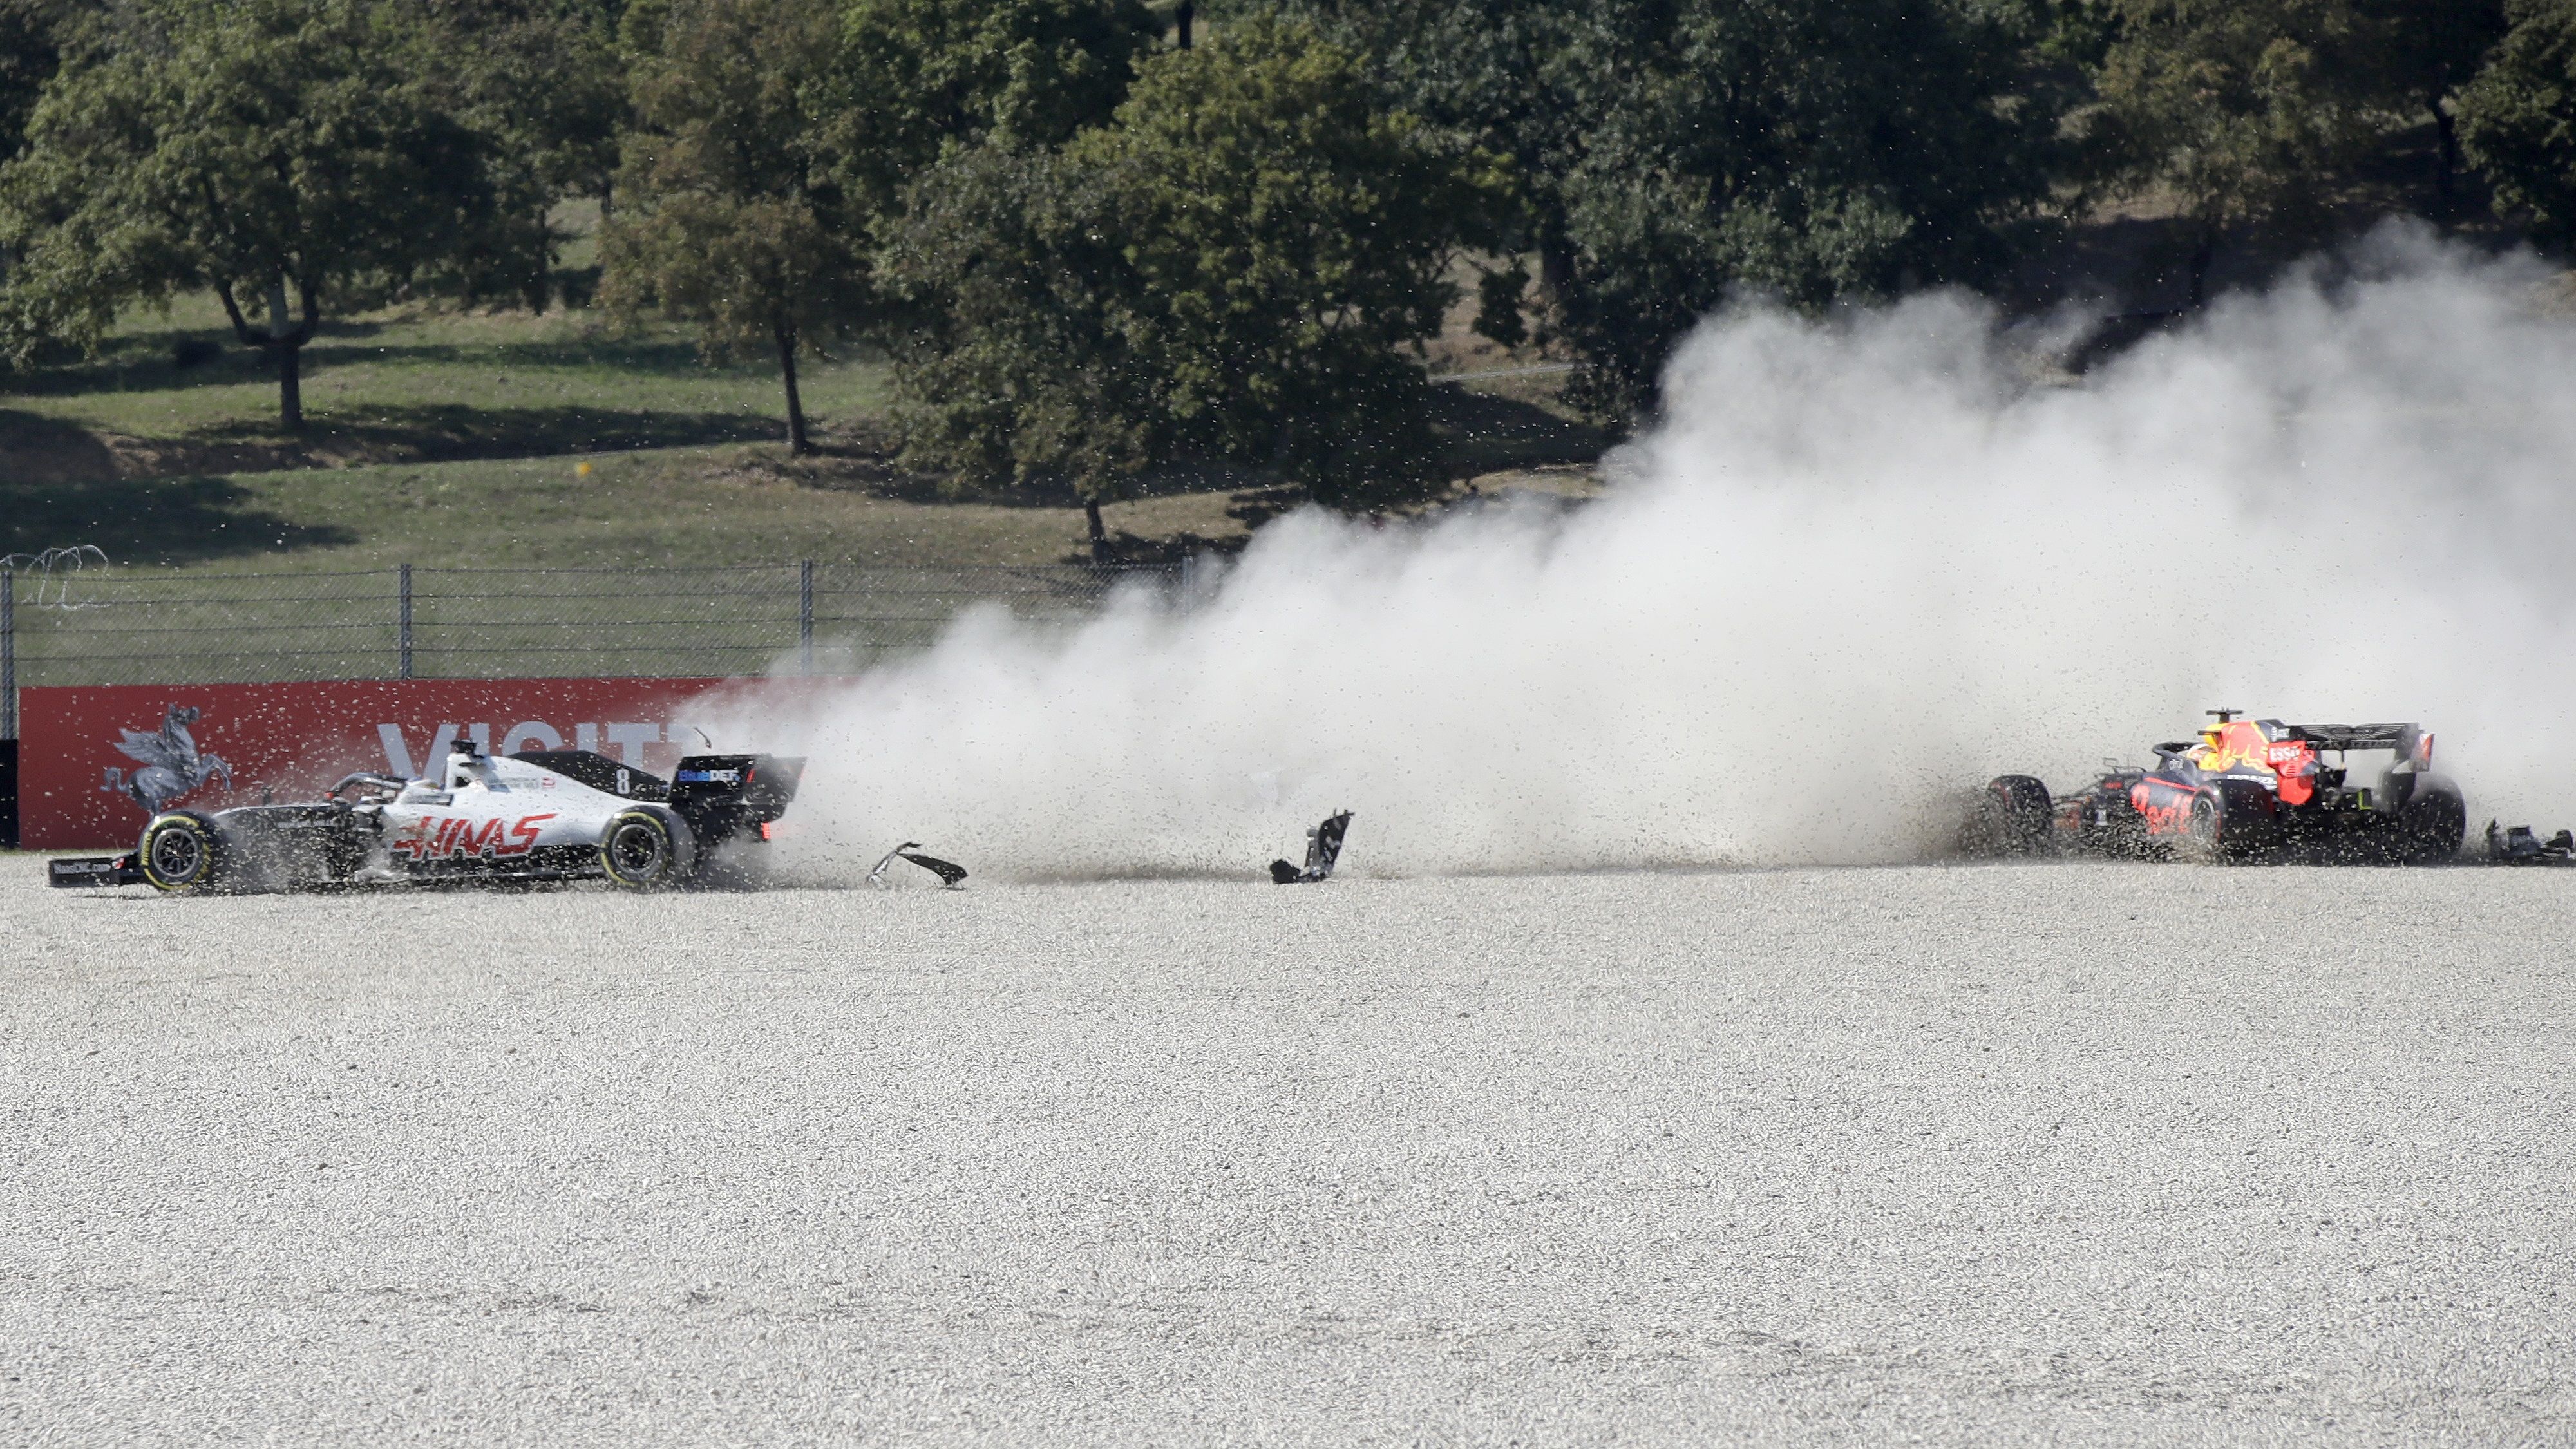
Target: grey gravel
2050, 1154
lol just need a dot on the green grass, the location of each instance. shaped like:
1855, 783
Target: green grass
692, 506
397, 385
448, 439
547, 443
177, 627
445, 438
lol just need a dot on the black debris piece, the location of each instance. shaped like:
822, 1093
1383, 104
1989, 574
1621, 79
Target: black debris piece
1323, 847
2520, 845
949, 873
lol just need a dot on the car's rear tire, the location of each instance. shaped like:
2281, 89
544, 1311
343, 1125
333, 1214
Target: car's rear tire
647, 848
2431, 827
2015, 816
184, 853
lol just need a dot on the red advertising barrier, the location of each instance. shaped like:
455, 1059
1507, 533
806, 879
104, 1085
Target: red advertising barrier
93, 758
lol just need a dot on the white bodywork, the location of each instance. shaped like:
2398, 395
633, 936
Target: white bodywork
493, 809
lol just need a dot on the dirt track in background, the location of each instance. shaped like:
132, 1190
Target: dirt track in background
2010, 1155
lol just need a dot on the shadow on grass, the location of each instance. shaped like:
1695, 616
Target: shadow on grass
447, 432
175, 520
1486, 433
40, 450
174, 361
180, 359
653, 356
34, 447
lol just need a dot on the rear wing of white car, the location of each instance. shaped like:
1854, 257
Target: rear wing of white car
724, 796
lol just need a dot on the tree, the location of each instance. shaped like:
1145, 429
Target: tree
2245, 109
30, 48
2431, 48
1665, 152
916, 78
1228, 270
1287, 237
269, 149
544, 83
1020, 371
2518, 118
1811, 149
728, 212
1507, 78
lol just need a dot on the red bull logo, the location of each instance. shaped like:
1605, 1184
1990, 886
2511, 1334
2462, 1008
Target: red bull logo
2243, 745
2163, 805
2235, 745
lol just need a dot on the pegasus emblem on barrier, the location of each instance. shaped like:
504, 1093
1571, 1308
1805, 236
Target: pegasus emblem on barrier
171, 765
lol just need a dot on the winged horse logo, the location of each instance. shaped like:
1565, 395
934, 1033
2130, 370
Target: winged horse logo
171, 765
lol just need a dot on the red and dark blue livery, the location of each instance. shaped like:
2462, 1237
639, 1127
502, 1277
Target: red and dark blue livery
2245, 789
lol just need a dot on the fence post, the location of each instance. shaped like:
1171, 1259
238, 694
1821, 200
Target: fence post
10, 818
805, 614
8, 652
404, 635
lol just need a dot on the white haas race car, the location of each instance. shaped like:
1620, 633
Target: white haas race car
541, 815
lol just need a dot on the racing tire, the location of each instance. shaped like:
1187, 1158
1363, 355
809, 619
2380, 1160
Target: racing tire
2204, 832
2014, 817
2431, 827
184, 853
647, 848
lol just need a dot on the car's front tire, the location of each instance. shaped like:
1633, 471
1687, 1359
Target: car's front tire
184, 853
647, 848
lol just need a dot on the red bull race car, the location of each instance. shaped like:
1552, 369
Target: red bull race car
2245, 789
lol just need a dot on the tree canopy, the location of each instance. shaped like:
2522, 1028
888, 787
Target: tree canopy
1810, 149
1229, 270
915, 78
1095, 249
543, 81
1664, 152
728, 215
2518, 117
30, 50
271, 150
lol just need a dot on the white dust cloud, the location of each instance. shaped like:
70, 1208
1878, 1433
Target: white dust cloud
1866, 563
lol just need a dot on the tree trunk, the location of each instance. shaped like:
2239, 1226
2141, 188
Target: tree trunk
2446, 157
1182, 20
2203, 254
283, 337
796, 442
1555, 269
290, 385
1099, 534
287, 341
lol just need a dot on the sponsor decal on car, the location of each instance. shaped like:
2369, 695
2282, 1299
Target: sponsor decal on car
445, 837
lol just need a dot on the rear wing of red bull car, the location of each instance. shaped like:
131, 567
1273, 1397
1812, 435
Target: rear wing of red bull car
2406, 741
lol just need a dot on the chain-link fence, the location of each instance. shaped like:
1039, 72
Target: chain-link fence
115, 626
